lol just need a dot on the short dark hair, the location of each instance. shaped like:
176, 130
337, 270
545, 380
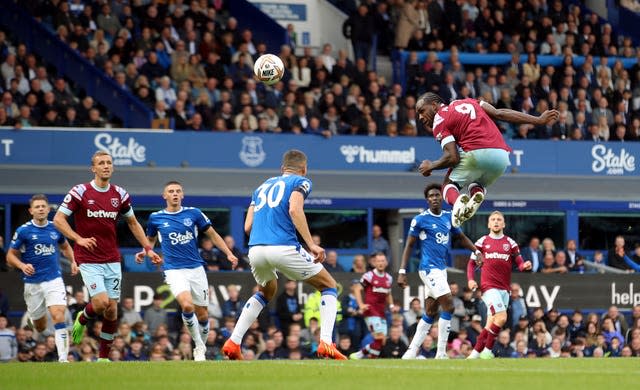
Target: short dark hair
38, 197
431, 186
172, 182
430, 97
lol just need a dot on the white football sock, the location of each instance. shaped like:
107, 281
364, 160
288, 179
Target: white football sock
421, 332
444, 326
328, 307
250, 312
191, 322
62, 341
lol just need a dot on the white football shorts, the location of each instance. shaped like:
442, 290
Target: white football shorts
193, 280
435, 283
294, 263
39, 296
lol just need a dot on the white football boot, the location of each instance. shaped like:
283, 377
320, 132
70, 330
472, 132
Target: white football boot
459, 210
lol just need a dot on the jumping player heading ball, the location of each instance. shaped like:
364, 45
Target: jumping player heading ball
473, 147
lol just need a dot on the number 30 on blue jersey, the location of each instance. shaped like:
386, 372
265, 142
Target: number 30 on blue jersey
272, 224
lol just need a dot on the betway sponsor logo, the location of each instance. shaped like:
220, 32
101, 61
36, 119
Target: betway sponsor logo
381, 290
627, 298
497, 255
44, 250
123, 153
605, 160
102, 214
359, 153
179, 238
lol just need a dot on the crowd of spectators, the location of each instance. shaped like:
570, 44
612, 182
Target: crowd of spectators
30, 96
190, 63
290, 330
546, 258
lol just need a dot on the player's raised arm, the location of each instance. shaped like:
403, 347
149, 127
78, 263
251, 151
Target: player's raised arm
406, 254
517, 117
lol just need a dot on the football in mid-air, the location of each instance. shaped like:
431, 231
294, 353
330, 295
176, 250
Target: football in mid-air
269, 69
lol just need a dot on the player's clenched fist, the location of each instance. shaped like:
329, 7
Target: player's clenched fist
425, 168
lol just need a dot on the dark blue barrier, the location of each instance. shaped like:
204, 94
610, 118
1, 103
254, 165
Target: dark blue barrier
400, 61
264, 28
351, 153
69, 63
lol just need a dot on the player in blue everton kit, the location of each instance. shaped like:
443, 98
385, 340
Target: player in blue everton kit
275, 214
34, 251
432, 229
177, 229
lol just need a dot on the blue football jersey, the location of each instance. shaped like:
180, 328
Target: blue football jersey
178, 236
434, 233
39, 247
272, 224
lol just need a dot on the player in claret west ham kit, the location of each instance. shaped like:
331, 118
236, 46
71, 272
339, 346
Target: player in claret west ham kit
96, 207
377, 285
472, 145
499, 252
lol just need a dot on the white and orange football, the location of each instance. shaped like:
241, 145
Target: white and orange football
268, 69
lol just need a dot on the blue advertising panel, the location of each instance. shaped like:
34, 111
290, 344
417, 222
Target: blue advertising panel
264, 151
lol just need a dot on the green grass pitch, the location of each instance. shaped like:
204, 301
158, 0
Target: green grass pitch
508, 374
